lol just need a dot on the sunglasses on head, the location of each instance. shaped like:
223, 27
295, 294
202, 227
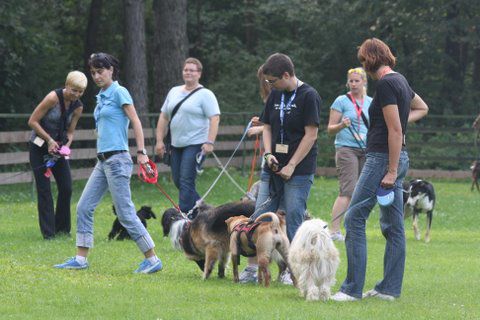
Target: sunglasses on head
101, 56
356, 70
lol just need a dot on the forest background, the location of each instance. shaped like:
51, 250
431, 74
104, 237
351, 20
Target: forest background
437, 43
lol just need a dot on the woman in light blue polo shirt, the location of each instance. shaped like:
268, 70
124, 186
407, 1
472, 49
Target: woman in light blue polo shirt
113, 113
349, 120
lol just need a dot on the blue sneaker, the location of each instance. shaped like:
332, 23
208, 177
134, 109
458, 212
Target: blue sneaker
72, 263
147, 267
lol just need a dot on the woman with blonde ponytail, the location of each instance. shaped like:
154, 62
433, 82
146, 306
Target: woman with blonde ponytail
349, 121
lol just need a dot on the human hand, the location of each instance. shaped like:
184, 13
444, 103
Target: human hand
52, 146
287, 171
346, 122
160, 148
256, 122
389, 179
207, 148
142, 158
272, 162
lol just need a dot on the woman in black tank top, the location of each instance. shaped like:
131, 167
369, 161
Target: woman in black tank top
53, 122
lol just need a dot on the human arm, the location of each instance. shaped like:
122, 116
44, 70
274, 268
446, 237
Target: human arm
270, 159
303, 149
256, 128
395, 138
336, 122
73, 124
418, 109
207, 147
137, 130
161, 132
40, 111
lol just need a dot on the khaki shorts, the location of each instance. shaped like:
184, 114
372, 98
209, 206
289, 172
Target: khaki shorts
349, 162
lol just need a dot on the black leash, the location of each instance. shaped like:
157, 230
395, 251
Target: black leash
350, 128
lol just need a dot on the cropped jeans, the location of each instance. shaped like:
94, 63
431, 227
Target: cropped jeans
289, 195
391, 224
184, 173
113, 175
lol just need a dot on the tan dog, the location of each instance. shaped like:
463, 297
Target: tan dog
260, 238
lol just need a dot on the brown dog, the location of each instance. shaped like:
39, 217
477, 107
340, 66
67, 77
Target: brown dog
204, 239
475, 174
260, 238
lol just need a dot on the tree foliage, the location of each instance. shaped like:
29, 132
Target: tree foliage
437, 43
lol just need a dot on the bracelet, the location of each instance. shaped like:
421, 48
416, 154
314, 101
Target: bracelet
50, 141
265, 156
209, 142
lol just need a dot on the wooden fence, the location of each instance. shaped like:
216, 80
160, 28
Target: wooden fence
430, 148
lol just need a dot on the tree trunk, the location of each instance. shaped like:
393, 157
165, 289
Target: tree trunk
476, 77
170, 46
455, 63
250, 32
135, 64
93, 28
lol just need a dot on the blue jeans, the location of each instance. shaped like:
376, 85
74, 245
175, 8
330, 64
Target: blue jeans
184, 175
290, 195
391, 224
112, 174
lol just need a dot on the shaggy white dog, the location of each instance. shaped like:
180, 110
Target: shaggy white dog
314, 260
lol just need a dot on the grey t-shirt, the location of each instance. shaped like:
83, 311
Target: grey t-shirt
191, 122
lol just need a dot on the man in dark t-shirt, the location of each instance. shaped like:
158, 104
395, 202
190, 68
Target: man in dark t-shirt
291, 118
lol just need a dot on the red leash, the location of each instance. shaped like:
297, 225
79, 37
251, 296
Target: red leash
147, 172
254, 161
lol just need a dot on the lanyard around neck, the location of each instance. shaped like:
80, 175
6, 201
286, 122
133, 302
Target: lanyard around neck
284, 107
358, 108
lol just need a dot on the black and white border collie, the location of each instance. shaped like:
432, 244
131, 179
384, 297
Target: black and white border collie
419, 196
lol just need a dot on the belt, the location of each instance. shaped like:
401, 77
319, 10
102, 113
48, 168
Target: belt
102, 156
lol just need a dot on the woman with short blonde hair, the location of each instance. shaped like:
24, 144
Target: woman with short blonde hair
53, 123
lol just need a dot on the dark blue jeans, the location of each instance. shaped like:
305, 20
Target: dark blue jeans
391, 224
184, 175
290, 195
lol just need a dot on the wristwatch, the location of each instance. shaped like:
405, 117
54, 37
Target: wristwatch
143, 151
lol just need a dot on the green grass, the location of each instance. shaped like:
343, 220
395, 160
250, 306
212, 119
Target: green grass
441, 279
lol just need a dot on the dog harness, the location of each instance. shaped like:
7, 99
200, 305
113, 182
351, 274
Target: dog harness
248, 229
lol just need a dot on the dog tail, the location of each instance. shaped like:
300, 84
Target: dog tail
267, 216
220, 214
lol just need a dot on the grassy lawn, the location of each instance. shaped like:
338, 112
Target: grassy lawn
442, 278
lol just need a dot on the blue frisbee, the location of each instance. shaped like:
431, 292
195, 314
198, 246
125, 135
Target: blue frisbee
385, 197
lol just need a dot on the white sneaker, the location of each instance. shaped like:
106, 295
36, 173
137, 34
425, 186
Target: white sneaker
286, 278
342, 297
376, 294
249, 274
337, 236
